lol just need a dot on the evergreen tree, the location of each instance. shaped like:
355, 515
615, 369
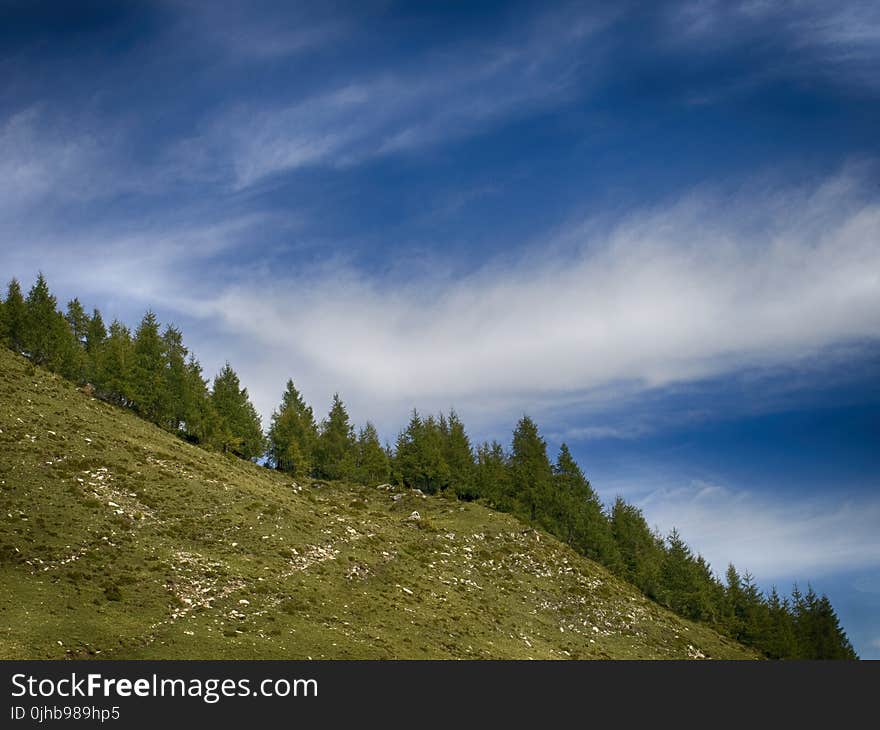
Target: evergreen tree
578, 517
641, 551
77, 320
779, 640
530, 472
829, 640
14, 315
334, 450
149, 383
293, 434
371, 462
734, 607
404, 463
46, 337
679, 589
76, 361
710, 592
237, 428
419, 461
756, 618
69, 357
39, 322
115, 366
569, 476
199, 419
817, 628
96, 336
174, 355
459, 457
745, 614
492, 476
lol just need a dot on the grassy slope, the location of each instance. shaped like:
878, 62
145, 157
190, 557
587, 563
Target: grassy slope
118, 540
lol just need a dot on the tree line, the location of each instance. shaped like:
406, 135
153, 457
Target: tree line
152, 372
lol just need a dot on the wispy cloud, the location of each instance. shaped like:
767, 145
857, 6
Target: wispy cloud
589, 433
255, 31
839, 42
706, 286
449, 94
37, 159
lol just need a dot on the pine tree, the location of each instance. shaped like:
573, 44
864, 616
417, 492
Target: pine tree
459, 457
530, 472
45, 334
734, 609
77, 320
199, 419
96, 336
176, 379
96, 333
115, 364
817, 628
830, 641
14, 314
40, 310
76, 361
569, 475
237, 428
710, 596
578, 516
334, 450
641, 550
68, 357
779, 640
757, 618
148, 372
404, 463
419, 461
678, 587
492, 476
371, 462
292, 434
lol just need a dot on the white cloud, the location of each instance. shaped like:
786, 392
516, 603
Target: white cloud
54, 165
440, 96
588, 433
775, 539
839, 41
702, 287
37, 160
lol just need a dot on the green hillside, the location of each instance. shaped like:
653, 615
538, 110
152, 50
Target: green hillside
119, 540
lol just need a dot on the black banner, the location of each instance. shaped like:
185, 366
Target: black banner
123, 694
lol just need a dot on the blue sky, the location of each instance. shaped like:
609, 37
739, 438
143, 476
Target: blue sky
656, 229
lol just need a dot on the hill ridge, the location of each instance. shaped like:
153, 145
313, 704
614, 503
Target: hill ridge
119, 540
